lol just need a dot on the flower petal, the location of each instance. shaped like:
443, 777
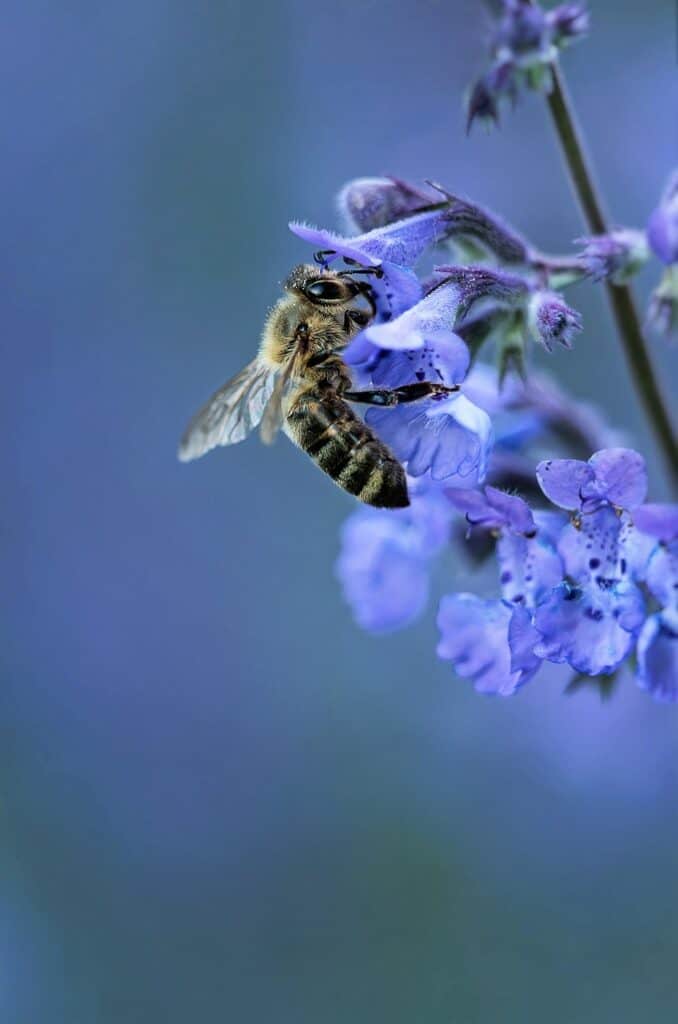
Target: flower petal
620, 477
447, 438
474, 636
562, 480
657, 520
591, 629
436, 311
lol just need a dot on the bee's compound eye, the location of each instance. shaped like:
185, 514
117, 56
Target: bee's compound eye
325, 291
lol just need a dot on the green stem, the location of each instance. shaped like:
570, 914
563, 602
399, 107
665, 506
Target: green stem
620, 295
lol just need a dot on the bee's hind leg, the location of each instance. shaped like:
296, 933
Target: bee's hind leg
398, 396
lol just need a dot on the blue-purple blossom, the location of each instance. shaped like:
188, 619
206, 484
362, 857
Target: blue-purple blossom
384, 564
551, 320
592, 630
448, 437
662, 227
617, 256
613, 476
487, 642
493, 509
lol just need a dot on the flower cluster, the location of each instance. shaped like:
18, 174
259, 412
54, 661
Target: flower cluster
591, 581
524, 44
583, 577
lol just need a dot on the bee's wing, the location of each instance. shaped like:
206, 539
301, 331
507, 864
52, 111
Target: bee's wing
273, 413
231, 413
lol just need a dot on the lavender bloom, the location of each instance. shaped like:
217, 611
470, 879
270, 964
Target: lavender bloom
613, 476
384, 565
592, 624
662, 227
551, 320
487, 642
367, 203
446, 437
617, 256
493, 510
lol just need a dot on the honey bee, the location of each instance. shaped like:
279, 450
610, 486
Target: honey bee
298, 381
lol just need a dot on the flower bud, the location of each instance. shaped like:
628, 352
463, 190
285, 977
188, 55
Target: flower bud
617, 256
551, 320
367, 203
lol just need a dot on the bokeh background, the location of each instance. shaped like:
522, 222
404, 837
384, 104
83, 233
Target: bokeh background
219, 800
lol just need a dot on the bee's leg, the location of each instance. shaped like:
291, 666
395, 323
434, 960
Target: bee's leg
398, 396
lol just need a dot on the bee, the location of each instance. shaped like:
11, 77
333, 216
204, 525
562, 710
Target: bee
299, 381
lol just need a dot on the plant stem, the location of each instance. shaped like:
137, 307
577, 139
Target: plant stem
620, 295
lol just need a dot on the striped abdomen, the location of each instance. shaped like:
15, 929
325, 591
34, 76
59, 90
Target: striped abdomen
346, 449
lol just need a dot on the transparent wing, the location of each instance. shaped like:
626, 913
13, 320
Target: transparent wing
231, 413
273, 413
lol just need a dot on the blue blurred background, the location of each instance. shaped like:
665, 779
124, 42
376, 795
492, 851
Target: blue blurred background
220, 801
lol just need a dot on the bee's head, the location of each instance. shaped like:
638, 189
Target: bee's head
321, 287
329, 289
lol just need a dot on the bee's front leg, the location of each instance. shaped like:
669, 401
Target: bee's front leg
398, 396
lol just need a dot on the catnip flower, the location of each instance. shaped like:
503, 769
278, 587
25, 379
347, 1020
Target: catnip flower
617, 256
551, 320
385, 559
488, 642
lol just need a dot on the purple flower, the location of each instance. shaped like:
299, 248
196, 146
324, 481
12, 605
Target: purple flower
617, 256
613, 476
435, 313
487, 642
551, 320
493, 510
446, 437
662, 227
384, 564
657, 520
434, 316
592, 630
367, 203
529, 568
443, 359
